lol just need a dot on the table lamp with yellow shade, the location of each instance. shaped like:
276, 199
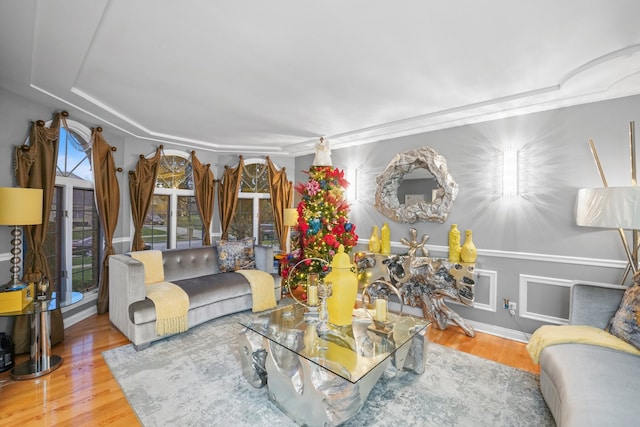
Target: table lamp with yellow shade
18, 207
290, 220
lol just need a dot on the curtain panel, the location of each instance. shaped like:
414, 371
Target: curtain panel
204, 183
281, 197
36, 168
228, 195
142, 183
107, 197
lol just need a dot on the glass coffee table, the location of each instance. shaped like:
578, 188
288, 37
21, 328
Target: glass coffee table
321, 375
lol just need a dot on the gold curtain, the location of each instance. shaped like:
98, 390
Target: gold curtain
204, 183
36, 168
142, 183
228, 195
281, 197
107, 195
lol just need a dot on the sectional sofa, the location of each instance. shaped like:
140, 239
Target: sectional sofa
591, 385
212, 293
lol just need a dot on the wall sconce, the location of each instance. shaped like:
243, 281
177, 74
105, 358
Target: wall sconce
19, 206
509, 172
352, 190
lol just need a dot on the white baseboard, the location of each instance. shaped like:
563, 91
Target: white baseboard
499, 331
80, 316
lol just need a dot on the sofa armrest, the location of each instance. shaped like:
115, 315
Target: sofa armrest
594, 304
126, 286
264, 257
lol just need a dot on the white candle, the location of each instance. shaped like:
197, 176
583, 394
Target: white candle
381, 310
312, 296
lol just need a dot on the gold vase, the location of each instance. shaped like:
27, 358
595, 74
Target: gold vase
385, 245
344, 289
454, 243
374, 240
469, 252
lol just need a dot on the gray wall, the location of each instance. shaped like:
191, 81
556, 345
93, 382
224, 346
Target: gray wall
529, 247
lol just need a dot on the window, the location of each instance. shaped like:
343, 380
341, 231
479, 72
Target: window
254, 216
73, 242
173, 219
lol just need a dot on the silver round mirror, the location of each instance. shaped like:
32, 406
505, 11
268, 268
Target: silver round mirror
430, 198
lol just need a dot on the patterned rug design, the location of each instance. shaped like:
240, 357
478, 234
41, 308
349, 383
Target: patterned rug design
195, 379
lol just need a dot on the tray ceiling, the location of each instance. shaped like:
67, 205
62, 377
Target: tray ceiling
272, 77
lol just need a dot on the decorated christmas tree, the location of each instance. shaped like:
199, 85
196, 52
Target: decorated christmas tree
323, 223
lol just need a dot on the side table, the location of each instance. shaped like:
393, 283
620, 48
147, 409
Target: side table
41, 361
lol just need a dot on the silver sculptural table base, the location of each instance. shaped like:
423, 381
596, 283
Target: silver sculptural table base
40, 362
308, 389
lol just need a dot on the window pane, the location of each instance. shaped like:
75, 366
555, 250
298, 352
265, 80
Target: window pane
73, 156
189, 227
255, 178
155, 226
86, 244
53, 243
267, 233
175, 172
242, 224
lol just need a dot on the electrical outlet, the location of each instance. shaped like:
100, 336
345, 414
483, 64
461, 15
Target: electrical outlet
513, 305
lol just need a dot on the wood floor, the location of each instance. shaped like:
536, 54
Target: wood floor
82, 392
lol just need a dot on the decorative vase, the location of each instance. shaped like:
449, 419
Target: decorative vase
385, 245
469, 252
344, 289
374, 240
454, 243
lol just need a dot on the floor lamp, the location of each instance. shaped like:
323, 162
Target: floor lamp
19, 206
614, 207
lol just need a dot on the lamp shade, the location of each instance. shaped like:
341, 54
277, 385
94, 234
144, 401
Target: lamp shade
290, 217
20, 206
612, 207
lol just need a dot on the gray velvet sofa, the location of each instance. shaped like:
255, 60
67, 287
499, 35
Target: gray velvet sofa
196, 270
588, 385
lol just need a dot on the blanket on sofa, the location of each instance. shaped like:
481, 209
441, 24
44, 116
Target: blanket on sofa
582, 334
172, 307
262, 289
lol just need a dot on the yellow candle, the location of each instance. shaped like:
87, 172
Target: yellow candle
312, 295
381, 310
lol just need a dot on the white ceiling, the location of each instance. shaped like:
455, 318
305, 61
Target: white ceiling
273, 76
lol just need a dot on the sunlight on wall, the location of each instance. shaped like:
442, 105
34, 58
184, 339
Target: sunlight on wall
509, 172
352, 190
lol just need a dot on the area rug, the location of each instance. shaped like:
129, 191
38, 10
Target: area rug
195, 379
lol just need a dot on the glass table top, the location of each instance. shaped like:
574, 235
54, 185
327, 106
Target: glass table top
57, 300
350, 351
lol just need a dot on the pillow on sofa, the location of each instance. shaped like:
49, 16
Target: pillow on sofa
236, 254
153, 267
625, 323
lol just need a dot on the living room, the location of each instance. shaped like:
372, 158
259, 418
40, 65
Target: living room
530, 248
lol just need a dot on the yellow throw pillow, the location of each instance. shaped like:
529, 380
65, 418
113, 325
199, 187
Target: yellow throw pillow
153, 267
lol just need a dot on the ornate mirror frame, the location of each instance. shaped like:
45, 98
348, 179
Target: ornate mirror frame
388, 182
